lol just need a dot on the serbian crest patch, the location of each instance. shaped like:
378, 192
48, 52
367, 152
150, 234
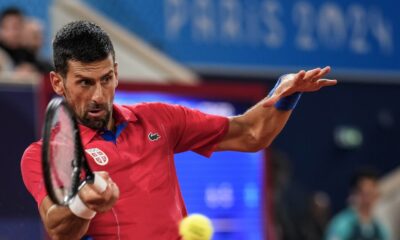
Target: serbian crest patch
99, 156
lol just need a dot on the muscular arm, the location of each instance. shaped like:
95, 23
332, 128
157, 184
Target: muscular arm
255, 129
61, 223
258, 127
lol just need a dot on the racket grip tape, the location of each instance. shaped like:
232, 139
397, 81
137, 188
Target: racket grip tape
78, 207
99, 183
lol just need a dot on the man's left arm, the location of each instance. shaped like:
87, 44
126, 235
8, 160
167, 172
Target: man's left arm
258, 127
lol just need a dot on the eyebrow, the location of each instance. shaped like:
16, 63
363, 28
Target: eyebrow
77, 75
108, 73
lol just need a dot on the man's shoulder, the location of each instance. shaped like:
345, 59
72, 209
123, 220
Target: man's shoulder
35, 146
152, 110
341, 224
31, 157
33, 150
146, 106
345, 217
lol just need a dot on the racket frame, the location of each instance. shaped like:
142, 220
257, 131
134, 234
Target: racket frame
79, 163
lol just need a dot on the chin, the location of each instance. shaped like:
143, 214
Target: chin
96, 124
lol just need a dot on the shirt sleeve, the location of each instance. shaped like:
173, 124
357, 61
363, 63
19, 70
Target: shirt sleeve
31, 170
191, 129
200, 132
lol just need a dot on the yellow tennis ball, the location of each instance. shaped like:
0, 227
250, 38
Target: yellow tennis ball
196, 227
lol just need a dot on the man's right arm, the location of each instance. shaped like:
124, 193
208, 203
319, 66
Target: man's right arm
61, 223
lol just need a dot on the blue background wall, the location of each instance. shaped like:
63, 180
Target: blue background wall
18, 211
308, 137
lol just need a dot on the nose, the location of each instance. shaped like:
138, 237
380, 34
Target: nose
98, 95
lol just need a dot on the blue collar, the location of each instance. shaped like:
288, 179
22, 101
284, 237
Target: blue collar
111, 136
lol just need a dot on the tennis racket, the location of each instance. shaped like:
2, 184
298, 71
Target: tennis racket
64, 164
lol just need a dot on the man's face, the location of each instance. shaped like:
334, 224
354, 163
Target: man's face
89, 89
11, 29
367, 194
32, 35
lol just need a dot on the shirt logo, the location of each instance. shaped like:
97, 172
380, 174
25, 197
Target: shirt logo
154, 136
99, 156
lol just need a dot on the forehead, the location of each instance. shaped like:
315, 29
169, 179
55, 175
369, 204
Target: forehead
12, 18
33, 26
90, 69
367, 183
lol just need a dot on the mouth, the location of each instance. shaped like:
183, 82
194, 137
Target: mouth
96, 113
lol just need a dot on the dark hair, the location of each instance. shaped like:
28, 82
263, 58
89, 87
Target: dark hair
362, 174
10, 11
81, 41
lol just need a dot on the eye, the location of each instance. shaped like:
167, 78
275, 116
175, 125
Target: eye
106, 79
84, 82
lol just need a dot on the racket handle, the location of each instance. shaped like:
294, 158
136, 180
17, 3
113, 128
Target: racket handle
79, 209
99, 183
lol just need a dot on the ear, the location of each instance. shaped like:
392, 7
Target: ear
57, 83
116, 73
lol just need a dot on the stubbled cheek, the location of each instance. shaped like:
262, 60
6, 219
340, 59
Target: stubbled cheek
80, 112
110, 105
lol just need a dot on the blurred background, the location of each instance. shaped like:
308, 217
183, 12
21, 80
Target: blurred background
222, 56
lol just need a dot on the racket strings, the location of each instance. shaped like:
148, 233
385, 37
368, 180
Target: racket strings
62, 154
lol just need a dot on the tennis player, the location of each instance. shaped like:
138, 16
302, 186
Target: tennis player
132, 147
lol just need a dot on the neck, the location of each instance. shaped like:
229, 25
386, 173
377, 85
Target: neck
111, 125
